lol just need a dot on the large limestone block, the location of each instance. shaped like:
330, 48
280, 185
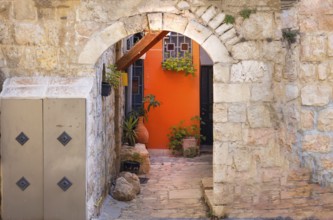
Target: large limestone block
135, 24
325, 120
273, 51
155, 21
47, 57
261, 92
220, 112
313, 47
307, 72
251, 71
292, 92
237, 112
316, 95
137, 153
222, 195
209, 14
259, 26
221, 153
29, 34
317, 143
174, 23
197, 32
25, 10
228, 132
224, 173
307, 120
231, 92
216, 50
259, 136
330, 45
259, 116
248, 50
221, 72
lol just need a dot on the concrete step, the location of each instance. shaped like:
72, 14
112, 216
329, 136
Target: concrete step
207, 183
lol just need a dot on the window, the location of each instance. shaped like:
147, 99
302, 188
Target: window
176, 45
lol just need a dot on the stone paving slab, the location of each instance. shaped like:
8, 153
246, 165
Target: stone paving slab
173, 191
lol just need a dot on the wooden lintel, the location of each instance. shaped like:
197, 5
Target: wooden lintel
139, 49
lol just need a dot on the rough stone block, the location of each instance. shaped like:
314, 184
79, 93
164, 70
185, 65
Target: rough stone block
316, 95
259, 136
135, 24
325, 120
249, 50
227, 132
273, 51
330, 45
307, 72
137, 153
29, 34
183, 5
241, 159
47, 57
259, 116
25, 10
259, 26
292, 92
216, 50
155, 21
317, 143
237, 112
209, 14
223, 28
223, 194
261, 92
228, 35
175, 23
223, 173
313, 47
217, 21
322, 71
220, 112
251, 71
197, 32
307, 120
221, 72
231, 92
221, 153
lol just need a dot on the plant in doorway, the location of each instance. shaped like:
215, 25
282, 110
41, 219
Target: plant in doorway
185, 140
149, 102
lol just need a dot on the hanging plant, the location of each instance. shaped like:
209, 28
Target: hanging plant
179, 64
113, 76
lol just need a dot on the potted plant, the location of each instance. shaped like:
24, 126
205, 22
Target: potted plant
132, 164
129, 133
185, 140
149, 102
179, 64
110, 78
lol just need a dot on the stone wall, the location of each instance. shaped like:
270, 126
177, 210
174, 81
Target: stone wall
272, 99
315, 82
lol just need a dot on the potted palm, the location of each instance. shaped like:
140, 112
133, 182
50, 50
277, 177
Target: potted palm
129, 133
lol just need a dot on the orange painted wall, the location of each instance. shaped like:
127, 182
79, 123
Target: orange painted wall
179, 95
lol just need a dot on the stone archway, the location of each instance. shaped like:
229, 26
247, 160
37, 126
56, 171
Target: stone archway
212, 36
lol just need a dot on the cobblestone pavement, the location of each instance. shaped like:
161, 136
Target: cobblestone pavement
172, 192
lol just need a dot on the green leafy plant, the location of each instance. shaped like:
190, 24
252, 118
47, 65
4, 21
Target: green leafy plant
179, 132
149, 101
289, 35
112, 76
179, 64
245, 13
229, 19
129, 133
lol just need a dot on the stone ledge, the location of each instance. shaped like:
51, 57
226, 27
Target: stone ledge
219, 211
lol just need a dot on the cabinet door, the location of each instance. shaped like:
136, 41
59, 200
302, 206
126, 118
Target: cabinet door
64, 159
22, 159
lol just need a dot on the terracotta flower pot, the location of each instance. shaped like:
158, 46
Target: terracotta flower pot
142, 134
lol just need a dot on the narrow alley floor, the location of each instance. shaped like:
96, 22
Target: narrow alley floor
173, 191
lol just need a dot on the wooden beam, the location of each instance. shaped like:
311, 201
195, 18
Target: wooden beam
140, 48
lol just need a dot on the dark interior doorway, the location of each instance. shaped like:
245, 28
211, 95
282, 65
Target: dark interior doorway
206, 104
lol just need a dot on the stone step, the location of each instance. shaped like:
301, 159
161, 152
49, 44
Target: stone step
207, 183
